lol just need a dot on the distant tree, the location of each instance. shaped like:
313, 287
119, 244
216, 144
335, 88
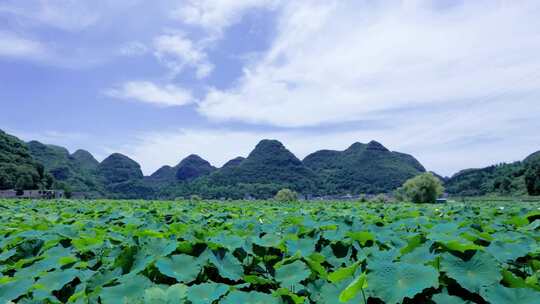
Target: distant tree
380, 198
424, 188
286, 195
363, 199
195, 198
532, 177
24, 182
64, 187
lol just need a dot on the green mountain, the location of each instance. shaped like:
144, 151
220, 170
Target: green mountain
189, 168
268, 168
123, 179
193, 167
234, 162
164, 174
85, 160
17, 167
532, 157
118, 168
501, 179
78, 171
362, 168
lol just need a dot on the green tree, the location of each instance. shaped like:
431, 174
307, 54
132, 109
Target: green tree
286, 195
532, 177
24, 182
424, 188
195, 198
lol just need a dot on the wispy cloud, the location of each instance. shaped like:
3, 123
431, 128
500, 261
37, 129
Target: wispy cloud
133, 48
217, 15
177, 52
12, 45
68, 15
148, 92
338, 61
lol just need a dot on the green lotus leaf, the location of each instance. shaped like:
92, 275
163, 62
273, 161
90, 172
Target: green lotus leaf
206, 293
104, 277
342, 273
444, 298
354, 288
79, 296
184, 268
362, 236
296, 299
292, 274
498, 294
461, 245
229, 267
87, 242
253, 297
480, 271
268, 240
392, 282
130, 290
420, 255
11, 288
505, 252
158, 247
257, 280
306, 247
52, 258
230, 242
7, 254
57, 279
412, 243
171, 295
315, 265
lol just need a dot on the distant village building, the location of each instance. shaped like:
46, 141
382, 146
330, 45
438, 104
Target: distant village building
35, 194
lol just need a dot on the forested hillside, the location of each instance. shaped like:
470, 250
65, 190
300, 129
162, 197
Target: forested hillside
18, 170
360, 169
501, 179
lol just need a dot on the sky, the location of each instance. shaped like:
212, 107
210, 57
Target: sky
454, 83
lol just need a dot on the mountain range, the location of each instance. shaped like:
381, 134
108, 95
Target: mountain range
360, 169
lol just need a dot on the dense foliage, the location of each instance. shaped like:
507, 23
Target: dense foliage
532, 176
424, 188
76, 172
188, 169
502, 179
266, 252
18, 170
270, 163
362, 168
286, 196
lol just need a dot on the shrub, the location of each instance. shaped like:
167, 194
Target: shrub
424, 188
363, 199
380, 198
286, 195
195, 198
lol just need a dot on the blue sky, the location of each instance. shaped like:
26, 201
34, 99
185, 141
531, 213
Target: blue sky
455, 83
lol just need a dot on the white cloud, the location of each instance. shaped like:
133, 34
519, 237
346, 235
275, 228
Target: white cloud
216, 15
176, 52
134, 48
148, 92
12, 45
338, 61
68, 15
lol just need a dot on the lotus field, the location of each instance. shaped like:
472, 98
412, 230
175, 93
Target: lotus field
132, 252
